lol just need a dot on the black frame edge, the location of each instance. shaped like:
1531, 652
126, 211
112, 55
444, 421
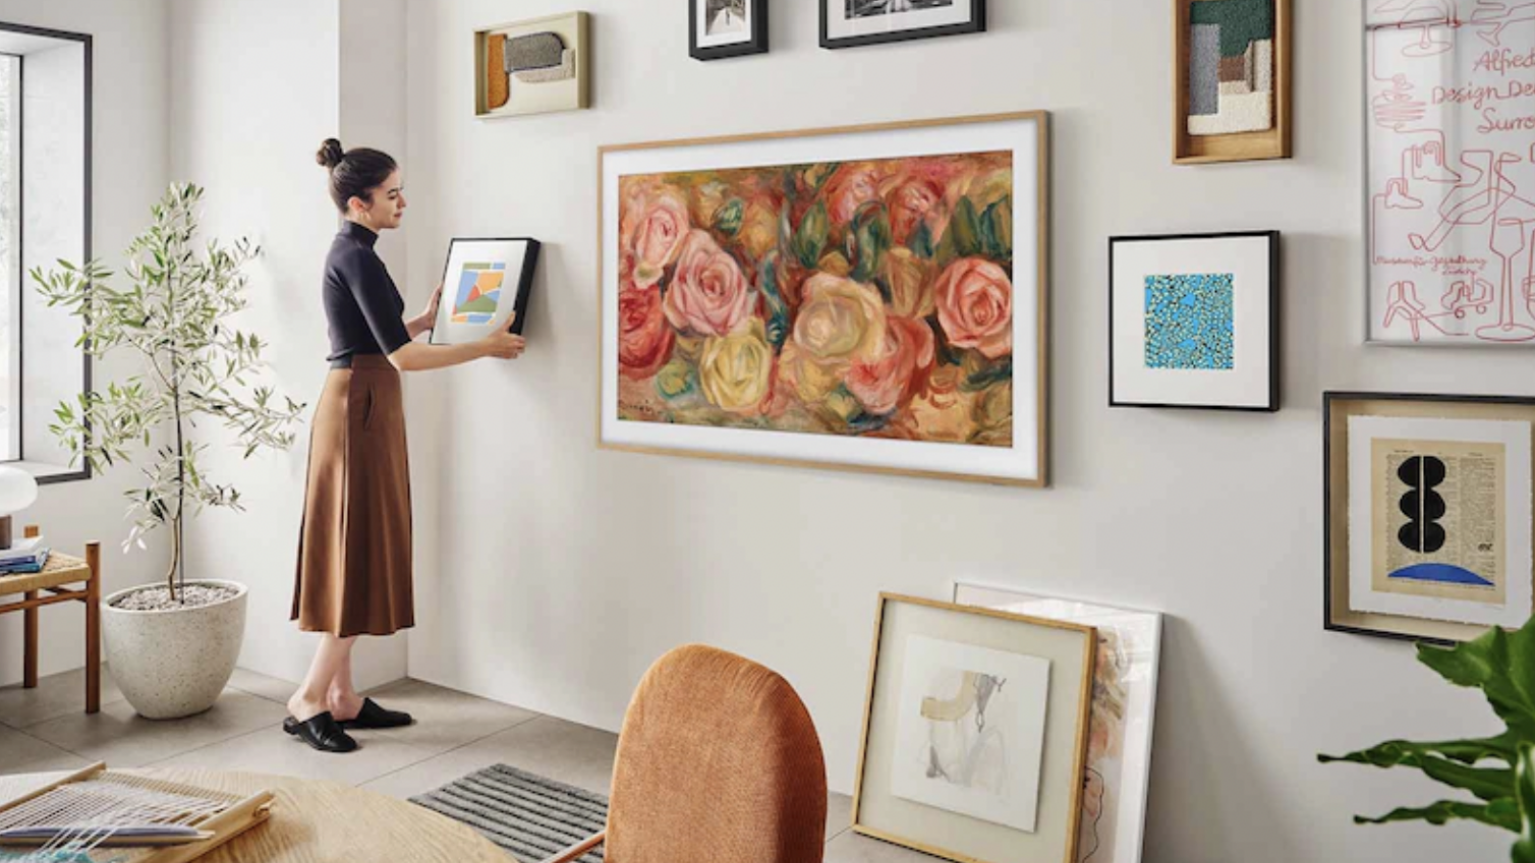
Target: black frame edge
758, 44
977, 24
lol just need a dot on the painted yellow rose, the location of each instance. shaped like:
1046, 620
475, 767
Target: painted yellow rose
911, 279
840, 321
736, 371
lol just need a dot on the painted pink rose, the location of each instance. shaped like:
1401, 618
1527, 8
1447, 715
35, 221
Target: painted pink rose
975, 306
708, 295
644, 338
654, 228
851, 186
886, 380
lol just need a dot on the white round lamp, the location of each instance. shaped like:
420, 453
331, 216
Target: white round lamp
18, 490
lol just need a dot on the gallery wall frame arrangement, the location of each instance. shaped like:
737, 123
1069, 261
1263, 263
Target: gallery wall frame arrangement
484, 282
718, 29
975, 732
1118, 764
1232, 87
867, 298
1194, 321
536, 66
1428, 514
854, 23
1450, 168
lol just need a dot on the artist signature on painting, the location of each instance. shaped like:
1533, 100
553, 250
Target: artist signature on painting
640, 411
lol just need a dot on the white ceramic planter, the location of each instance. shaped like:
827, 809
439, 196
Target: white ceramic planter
174, 663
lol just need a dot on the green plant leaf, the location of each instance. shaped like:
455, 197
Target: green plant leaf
1504, 747
1502, 665
1524, 791
1502, 813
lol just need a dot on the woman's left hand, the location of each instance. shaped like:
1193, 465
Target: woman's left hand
430, 315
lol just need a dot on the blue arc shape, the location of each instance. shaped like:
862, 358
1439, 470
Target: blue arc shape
1442, 573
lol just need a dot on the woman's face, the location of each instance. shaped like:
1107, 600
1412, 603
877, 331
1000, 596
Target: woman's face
386, 209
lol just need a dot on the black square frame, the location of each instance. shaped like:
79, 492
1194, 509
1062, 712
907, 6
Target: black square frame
1274, 313
976, 24
757, 44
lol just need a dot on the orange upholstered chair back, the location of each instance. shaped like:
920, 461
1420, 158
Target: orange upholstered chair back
718, 762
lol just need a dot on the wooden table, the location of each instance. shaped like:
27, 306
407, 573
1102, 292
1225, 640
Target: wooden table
52, 586
320, 822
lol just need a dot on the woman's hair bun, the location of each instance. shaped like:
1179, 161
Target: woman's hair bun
330, 154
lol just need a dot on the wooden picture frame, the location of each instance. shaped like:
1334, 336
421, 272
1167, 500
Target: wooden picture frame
1339, 607
756, 41
1070, 650
973, 22
1273, 143
564, 94
1024, 462
1255, 315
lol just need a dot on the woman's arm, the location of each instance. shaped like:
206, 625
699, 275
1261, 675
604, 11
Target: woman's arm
418, 357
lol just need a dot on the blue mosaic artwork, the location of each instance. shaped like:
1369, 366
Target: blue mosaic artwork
1189, 322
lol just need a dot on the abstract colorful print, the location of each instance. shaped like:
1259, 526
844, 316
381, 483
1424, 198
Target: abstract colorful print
1190, 322
870, 298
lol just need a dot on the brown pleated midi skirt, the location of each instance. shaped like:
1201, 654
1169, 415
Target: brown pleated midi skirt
354, 556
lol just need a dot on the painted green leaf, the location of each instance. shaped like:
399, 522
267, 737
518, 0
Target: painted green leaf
810, 239
772, 300
868, 241
728, 219
921, 242
963, 237
997, 230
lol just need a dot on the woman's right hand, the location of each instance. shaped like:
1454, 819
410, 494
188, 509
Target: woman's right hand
502, 344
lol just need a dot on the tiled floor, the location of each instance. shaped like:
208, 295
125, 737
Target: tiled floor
46, 729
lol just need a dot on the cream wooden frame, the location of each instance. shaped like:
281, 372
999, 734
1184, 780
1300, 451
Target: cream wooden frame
1042, 119
1084, 707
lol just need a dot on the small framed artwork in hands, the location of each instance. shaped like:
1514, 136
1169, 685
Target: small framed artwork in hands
975, 729
533, 67
851, 23
1118, 767
1428, 514
727, 28
485, 281
1194, 321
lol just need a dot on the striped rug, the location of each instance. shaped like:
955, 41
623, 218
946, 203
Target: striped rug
530, 816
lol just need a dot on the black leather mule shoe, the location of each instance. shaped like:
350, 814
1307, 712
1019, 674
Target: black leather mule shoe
373, 716
322, 732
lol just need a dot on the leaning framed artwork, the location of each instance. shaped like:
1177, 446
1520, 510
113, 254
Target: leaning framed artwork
866, 298
718, 29
1194, 321
1428, 514
851, 23
1117, 777
1231, 80
975, 729
533, 67
484, 282
1450, 166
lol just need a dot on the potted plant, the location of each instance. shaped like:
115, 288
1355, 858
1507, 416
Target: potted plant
1498, 771
171, 646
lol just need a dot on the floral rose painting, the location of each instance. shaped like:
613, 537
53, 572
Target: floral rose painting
867, 299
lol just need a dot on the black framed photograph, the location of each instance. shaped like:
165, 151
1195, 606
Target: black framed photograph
1429, 515
484, 283
1194, 321
851, 23
727, 28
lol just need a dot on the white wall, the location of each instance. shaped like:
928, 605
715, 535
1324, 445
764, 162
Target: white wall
564, 570
129, 161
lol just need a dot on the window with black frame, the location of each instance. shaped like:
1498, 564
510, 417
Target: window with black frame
45, 215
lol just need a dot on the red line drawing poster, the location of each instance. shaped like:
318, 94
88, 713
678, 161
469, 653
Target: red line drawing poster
1451, 168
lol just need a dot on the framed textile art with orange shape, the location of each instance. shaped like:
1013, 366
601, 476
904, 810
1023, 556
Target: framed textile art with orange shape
866, 298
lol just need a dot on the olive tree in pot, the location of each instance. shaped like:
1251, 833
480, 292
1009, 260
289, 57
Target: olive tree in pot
171, 646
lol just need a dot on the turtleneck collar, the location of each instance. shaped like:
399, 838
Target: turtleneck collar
357, 232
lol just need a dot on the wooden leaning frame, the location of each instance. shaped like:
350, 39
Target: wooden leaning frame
1042, 118
1084, 713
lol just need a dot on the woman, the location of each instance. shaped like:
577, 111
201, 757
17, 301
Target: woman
354, 560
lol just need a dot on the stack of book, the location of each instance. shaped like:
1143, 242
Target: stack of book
24, 556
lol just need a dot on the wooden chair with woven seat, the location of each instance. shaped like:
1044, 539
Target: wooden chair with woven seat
718, 760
